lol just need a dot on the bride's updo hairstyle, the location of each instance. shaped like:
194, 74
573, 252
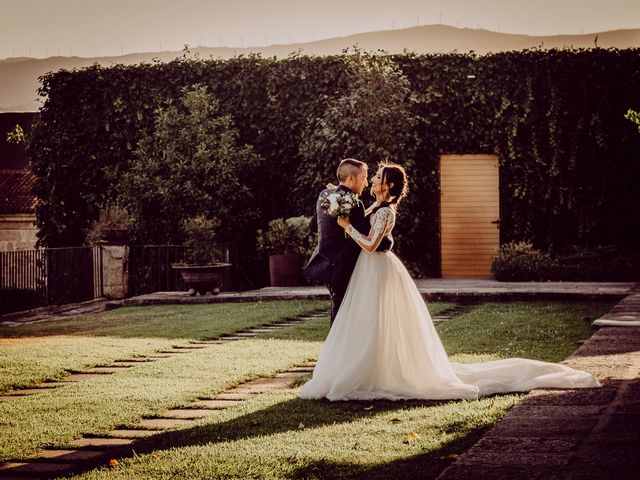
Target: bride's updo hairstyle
396, 175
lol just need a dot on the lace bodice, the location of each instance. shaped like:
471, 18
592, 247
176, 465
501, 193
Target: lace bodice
382, 223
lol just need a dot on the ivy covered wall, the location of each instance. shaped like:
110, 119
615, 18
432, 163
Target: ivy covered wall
569, 159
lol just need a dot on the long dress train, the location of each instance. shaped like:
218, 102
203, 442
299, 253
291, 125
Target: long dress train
383, 345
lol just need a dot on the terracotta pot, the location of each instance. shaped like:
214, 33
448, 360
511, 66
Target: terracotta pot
285, 270
202, 278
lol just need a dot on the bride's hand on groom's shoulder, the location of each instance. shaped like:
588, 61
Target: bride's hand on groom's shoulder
343, 222
331, 186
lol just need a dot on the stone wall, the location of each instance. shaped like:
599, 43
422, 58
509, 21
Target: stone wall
17, 232
115, 260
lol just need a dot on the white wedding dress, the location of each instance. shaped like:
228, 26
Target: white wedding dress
383, 344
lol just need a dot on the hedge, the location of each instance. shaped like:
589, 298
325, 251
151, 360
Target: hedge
568, 157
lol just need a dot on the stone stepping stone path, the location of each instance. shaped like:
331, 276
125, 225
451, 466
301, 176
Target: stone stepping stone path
92, 451
624, 314
194, 345
454, 311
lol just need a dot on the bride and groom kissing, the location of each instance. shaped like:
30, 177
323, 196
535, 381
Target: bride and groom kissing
382, 343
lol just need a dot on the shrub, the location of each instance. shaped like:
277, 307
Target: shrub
200, 236
287, 236
113, 216
519, 261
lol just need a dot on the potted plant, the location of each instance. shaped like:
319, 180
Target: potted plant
112, 226
287, 242
202, 270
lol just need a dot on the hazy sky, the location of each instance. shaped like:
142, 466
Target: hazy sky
41, 28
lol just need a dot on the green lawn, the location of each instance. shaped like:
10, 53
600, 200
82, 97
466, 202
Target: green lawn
274, 435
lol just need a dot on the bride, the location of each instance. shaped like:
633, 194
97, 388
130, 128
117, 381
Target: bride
383, 344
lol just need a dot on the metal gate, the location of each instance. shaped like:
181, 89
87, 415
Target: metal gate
51, 276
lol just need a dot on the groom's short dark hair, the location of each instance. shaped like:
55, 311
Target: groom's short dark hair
349, 166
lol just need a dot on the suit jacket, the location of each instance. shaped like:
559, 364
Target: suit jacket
336, 254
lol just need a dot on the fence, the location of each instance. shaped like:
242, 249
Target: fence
150, 267
52, 276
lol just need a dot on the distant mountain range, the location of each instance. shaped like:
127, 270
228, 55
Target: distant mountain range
19, 76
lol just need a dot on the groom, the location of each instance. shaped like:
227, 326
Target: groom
335, 256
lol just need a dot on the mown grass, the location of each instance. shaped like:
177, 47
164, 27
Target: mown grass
168, 321
48, 350
277, 435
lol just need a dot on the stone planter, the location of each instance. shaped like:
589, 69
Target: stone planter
202, 278
285, 270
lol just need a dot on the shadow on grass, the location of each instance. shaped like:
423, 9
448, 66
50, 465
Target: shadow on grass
287, 416
425, 466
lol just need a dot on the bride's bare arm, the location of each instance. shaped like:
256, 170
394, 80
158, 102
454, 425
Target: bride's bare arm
370, 242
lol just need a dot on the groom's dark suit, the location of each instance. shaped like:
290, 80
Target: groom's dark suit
335, 256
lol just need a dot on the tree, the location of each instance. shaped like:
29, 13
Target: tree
191, 164
371, 121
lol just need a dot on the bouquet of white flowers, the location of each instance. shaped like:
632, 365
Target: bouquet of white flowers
338, 203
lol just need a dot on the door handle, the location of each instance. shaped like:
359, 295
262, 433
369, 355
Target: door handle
496, 222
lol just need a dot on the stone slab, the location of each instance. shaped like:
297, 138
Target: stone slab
577, 397
71, 455
215, 404
49, 385
105, 370
120, 366
79, 377
101, 442
292, 374
28, 391
189, 413
262, 385
557, 411
163, 423
622, 422
611, 455
459, 471
515, 459
528, 427
235, 396
134, 360
528, 444
131, 433
39, 469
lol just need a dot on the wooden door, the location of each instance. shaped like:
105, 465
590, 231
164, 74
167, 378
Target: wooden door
469, 214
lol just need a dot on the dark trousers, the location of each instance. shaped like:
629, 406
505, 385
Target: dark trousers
337, 289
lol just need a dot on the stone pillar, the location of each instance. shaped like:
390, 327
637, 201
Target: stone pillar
115, 272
